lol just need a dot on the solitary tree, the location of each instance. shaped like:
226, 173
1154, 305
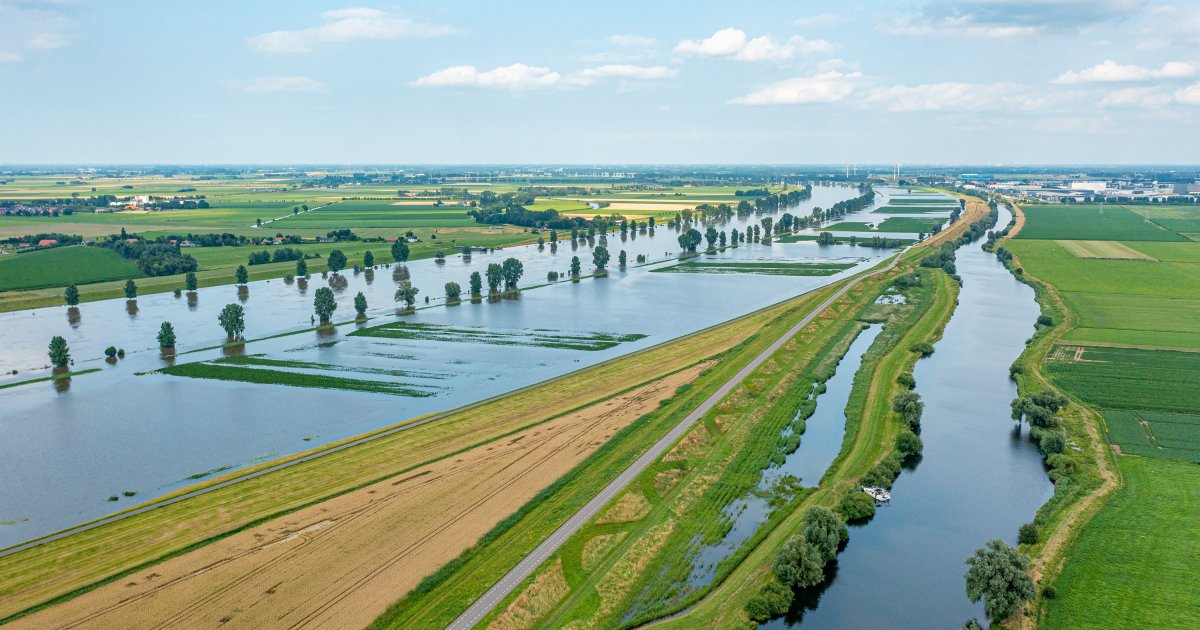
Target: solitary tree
60, 354
600, 257
368, 259
622, 257
324, 304
476, 283
407, 293
400, 250
189, 281
495, 275
690, 240
453, 291
166, 336
360, 304
72, 295
513, 270
575, 266
243, 276
130, 289
233, 320
1000, 575
336, 261
301, 268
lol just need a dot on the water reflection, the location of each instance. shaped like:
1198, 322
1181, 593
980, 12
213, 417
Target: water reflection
131, 307
243, 293
193, 300
73, 316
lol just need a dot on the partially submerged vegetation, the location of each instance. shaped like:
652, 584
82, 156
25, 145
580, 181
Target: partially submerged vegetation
538, 338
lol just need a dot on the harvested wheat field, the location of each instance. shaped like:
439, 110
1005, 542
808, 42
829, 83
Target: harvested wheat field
342, 562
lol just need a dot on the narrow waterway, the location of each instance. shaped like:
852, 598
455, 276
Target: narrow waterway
979, 479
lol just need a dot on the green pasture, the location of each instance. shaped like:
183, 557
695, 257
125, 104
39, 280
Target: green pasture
1155, 434
61, 266
1132, 378
1134, 563
1092, 223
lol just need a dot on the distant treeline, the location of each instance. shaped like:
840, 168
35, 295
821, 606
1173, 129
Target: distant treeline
154, 259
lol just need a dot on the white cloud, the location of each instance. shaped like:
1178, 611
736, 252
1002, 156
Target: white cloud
272, 84
346, 25
963, 26
732, 42
47, 41
1169, 25
513, 77
622, 71
1137, 98
632, 40
1189, 95
10, 57
826, 87
954, 97
1111, 71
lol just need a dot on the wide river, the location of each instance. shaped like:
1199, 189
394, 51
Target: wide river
980, 477
68, 447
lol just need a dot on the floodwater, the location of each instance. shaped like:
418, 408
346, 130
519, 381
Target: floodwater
979, 478
69, 446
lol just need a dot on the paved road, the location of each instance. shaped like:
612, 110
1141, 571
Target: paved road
542, 552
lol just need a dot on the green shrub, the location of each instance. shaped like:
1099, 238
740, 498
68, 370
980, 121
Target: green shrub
909, 444
1049, 592
856, 506
1053, 442
924, 349
907, 381
1028, 534
773, 600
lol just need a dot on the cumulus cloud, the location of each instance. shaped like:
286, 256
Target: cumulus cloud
1009, 18
623, 71
826, 87
638, 41
1136, 98
1189, 95
951, 96
1170, 25
513, 77
733, 43
1111, 71
346, 25
275, 83
47, 41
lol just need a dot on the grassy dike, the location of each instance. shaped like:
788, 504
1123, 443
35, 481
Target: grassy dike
1084, 479
63, 568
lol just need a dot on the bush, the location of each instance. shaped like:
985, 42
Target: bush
908, 404
1049, 592
922, 348
798, 563
1053, 442
856, 506
111, 352
909, 444
1027, 534
884, 473
773, 600
1045, 320
907, 381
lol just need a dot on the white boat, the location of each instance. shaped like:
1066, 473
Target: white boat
879, 494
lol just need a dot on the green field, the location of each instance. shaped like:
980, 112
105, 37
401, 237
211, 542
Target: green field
63, 265
1130, 378
1155, 434
1093, 223
891, 224
760, 268
1134, 564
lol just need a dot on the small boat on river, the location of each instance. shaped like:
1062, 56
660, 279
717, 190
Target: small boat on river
879, 494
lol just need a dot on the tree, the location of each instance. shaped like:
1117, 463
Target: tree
690, 240
324, 304
908, 404
453, 291
166, 336
476, 283
60, 354
400, 250
767, 223
301, 268
233, 320
407, 293
130, 289
856, 506
733, 237
710, 235
72, 295
773, 600
909, 444
622, 258
495, 275
368, 260
513, 270
360, 304
243, 276
189, 281
999, 575
575, 266
336, 261
721, 239
825, 238
798, 564
824, 531
600, 257
1027, 534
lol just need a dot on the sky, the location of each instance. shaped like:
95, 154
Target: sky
619, 82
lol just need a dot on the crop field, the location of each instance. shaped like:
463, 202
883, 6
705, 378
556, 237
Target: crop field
63, 265
1133, 565
890, 224
1130, 378
1092, 223
1155, 434
539, 338
760, 268
1106, 250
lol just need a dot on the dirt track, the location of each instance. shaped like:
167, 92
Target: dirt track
342, 562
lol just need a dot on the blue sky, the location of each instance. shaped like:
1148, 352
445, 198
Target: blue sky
948, 81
